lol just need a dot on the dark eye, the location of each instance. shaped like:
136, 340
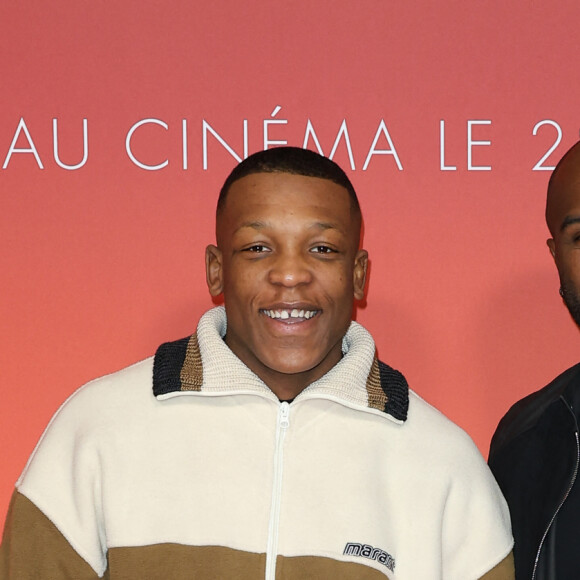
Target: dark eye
256, 249
322, 250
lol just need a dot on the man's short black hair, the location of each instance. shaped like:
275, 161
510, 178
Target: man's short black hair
292, 160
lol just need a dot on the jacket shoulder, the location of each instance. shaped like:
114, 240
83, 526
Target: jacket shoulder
525, 413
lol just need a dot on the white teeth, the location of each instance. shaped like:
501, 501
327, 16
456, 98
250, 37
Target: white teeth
294, 313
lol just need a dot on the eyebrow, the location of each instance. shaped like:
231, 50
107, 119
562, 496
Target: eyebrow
568, 221
253, 225
258, 225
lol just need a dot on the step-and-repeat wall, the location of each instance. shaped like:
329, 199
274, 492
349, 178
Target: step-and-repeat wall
119, 122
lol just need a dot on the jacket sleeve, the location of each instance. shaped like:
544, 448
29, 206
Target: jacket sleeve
477, 540
55, 527
34, 549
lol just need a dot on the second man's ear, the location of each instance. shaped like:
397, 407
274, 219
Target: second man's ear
214, 270
552, 246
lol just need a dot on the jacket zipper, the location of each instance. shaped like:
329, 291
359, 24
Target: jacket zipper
570, 486
282, 425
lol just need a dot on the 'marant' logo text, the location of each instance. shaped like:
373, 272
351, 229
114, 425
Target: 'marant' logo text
366, 551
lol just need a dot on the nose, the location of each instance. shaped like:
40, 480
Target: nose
290, 270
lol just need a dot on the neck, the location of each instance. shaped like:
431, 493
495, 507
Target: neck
286, 385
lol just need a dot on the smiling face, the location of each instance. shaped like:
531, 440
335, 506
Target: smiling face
289, 267
563, 217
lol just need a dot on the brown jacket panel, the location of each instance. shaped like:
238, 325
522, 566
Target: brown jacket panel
503, 571
33, 548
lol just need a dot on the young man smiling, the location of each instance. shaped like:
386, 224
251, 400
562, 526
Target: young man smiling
288, 264
269, 444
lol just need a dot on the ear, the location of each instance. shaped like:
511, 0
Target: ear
214, 270
360, 273
552, 246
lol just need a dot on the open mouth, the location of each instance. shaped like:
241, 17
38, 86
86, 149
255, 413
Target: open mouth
291, 315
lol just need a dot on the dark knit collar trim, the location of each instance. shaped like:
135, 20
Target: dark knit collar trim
168, 365
396, 388
178, 367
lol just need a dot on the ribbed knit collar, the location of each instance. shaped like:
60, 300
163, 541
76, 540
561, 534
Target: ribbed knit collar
204, 364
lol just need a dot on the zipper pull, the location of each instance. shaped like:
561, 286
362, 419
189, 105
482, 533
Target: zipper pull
284, 415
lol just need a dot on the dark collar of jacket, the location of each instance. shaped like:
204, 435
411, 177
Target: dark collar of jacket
178, 366
532, 455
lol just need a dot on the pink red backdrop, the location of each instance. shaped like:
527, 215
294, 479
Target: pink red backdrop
119, 121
